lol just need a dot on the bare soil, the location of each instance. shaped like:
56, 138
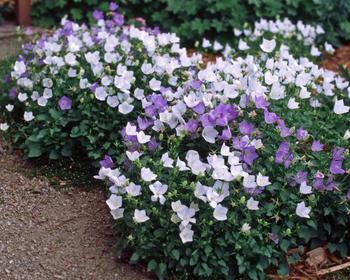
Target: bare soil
49, 234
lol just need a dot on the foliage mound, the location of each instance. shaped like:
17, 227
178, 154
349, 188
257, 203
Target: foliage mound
75, 88
195, 19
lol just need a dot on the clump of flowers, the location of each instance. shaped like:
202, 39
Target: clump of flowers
75, 88
265, 35
247, 161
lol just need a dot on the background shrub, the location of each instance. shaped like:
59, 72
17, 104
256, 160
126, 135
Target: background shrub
194, 19
6, 9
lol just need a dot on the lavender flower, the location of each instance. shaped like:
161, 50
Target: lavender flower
274, 238
301, 134
246, 128
270, 118
118, 19
283, 154
249, 155
65, 103
191, 125
199, 108
98, 15
261, 103
196, 84
113, 6
107, 162
144, 123
317, 146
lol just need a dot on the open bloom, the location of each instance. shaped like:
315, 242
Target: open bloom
268, 45
186, 215
302, 211
4, 126
65, 103
28, 116
186, 235
252, 204
220, 213
340, 108
158, 189
147, 175
140, 216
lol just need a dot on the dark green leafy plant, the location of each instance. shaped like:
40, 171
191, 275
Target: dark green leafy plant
6, 10
194, 19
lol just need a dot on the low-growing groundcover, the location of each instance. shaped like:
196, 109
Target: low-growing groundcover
214, 172
73, 89
238, 178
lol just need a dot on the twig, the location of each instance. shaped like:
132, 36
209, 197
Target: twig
333, 268
309, 277
272, 276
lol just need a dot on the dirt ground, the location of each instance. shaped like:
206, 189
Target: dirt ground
49, 234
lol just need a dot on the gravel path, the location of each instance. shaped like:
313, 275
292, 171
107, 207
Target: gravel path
47, 234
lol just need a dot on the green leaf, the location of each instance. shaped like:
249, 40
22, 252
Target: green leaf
283, 269
134, 258
152, 265
175, 254
54, 154
34, 150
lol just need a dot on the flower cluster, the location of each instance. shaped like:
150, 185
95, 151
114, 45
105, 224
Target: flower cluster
68, 78
243, 138
301, 39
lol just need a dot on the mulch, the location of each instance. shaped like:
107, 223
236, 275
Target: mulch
340, 57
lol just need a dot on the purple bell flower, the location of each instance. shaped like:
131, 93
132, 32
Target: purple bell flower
301, 134
191, 126
249, 155
199, 108
317, 146
113, 6
107, 162
65, 103
97, 15
246, 128
270, 118
261, 103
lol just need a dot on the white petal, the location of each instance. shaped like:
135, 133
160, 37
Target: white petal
117, 213
142, 138
268, 45
114, 202
302, 211
292, 104
340, 108
140, 216
186, 235
125, 108
4, 126
262, 181
147, 175
252, 204
130, 129
220, 213
209, 134
305, 189
28, 116
133, 155
100, 93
